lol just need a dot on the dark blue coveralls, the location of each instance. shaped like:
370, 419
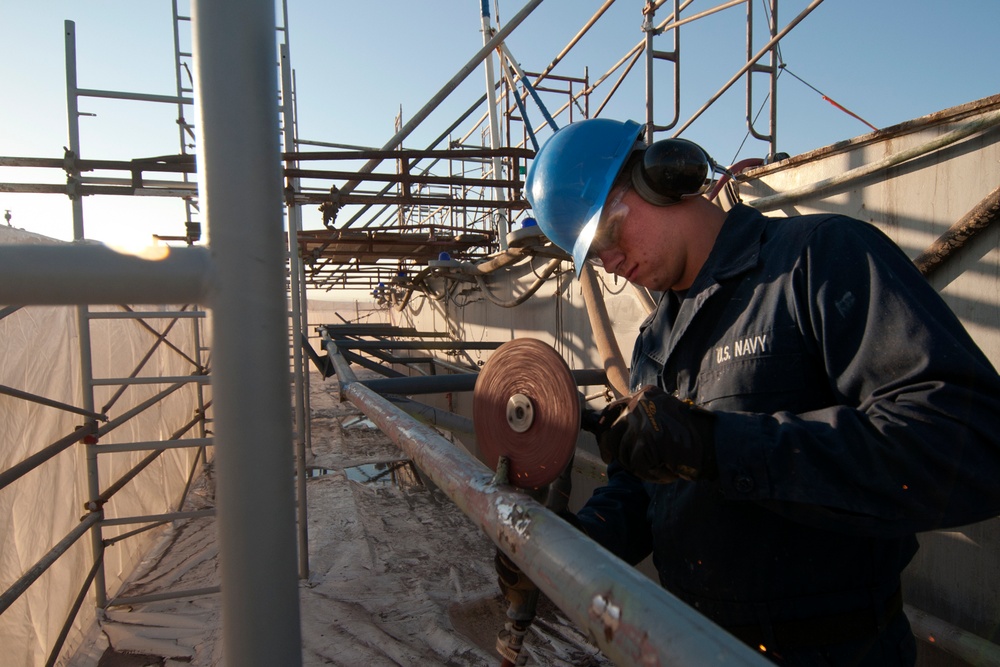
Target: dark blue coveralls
852, 410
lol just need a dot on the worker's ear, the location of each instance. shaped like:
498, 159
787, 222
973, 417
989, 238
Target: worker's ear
669, 170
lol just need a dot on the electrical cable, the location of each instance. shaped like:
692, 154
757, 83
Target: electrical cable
604, 281
828, 99
546, 274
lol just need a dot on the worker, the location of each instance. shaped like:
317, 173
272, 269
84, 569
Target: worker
803, 401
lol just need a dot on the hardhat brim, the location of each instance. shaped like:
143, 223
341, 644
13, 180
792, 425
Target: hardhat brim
632, 131
586, 238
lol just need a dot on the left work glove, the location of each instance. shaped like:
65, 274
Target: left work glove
658, 437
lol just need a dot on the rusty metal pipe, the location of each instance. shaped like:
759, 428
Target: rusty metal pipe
846, 178
633, 621
604, 335
969, 648
976, 220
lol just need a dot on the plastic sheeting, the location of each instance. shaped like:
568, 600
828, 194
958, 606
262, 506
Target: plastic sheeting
41, 356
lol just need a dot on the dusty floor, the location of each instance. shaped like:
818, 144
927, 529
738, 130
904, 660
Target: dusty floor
398, 575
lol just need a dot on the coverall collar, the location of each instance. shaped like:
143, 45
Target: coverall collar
736, 249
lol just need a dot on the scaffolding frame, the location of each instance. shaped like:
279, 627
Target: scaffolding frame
186, 276
113, 279
260, 569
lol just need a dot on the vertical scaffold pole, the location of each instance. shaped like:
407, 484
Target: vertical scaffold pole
491, 97
83, 311
240, 170
298, 317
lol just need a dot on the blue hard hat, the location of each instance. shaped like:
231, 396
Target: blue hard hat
571, 176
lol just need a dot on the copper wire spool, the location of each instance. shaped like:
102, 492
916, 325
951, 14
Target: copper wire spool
526, 407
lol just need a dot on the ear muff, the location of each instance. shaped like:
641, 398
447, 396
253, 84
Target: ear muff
669, 170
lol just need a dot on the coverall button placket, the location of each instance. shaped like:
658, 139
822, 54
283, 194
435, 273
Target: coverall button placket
744, 483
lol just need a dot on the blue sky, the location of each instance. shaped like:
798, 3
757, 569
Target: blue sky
359, 63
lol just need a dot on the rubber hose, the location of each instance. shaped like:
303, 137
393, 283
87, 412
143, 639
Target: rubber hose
604, 336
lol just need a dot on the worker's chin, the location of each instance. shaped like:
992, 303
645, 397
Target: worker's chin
650, 284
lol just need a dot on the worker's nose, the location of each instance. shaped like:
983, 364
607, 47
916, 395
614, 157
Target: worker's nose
609, 259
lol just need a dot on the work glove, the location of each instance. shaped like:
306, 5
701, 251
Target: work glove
658, 437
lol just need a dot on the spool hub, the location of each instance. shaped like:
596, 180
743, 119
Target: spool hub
526, 407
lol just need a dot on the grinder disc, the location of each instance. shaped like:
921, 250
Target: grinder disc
526, 407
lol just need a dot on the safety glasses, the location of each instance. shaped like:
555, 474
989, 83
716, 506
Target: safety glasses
608, 230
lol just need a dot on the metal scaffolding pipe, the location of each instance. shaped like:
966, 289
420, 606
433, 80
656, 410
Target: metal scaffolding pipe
456, 368
422, 384
750, 63
137, 97
452, 84
42, 400
145, 314
379, 330
969, 648
165, 379
365, 362
633, 621
235, 50
166, 516
161, 337
38, 458
154, 444
73, 611
427, 414
136, 409
348, 344
99, 500
45, 562
50, 275
491, 99
341, 367
299, 315
171, 595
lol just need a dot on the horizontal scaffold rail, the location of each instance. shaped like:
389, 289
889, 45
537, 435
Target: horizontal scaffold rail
416, 344
437, 384
50, 275
408, 154
186, 164
378, 329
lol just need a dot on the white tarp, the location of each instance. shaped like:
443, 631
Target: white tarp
41, 356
